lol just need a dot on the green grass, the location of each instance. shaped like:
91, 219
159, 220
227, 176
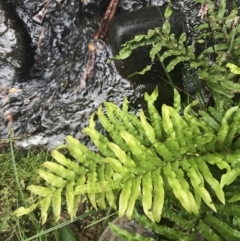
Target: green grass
18, 169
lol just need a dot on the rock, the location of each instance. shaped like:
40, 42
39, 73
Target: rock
45, 105
15, 49
94, 7
125, 6
16, 57
125, 27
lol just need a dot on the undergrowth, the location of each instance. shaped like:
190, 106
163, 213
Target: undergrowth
18, 170
183, 169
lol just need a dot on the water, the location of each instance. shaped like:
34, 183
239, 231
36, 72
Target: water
47, 104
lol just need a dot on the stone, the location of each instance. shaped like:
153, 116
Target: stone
16, 57
15, 44
45, 104
94, 7
124, 28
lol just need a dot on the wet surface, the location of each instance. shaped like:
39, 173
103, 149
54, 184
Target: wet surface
46, 104
15, 57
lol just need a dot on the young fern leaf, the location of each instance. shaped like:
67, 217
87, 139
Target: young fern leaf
158, 198
207, 232
70, 198
52, 179
122, 157
223, 228
180, 174
124, 197
44, 206
60, 170
147, 195
223, 131
156, 119
203, 167
135, 192
181, 193
216, 160
110, 197
70, 165
110, 127
197, 181
56, 204
41, 191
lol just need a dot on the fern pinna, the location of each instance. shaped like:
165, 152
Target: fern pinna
161, 161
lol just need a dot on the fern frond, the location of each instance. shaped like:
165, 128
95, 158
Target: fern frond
170, 233
207, 232
221, 227
221, 29
184, 146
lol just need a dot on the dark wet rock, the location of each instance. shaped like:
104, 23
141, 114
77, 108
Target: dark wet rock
45, 104
25, 10
16, 58
15, 52
126, 6
157, 2
124, 28
94, 7
49, 105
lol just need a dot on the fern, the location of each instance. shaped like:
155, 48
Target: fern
185, 227
166, 152
221, 31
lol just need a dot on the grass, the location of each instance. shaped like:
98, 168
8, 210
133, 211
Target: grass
18, 169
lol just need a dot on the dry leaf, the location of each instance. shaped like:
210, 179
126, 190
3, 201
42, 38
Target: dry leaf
14, 90
203, 11
235, 21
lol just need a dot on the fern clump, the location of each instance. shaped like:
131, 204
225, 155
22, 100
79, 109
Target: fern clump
145, 159
219, 30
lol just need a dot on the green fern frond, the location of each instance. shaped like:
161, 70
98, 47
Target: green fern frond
220, 29
221, 227
170, 233
187, 227
166, 151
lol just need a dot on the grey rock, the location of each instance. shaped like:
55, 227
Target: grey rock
45, 103
14, 42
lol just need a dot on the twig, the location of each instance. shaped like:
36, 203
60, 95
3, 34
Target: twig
110, 12
92, 46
